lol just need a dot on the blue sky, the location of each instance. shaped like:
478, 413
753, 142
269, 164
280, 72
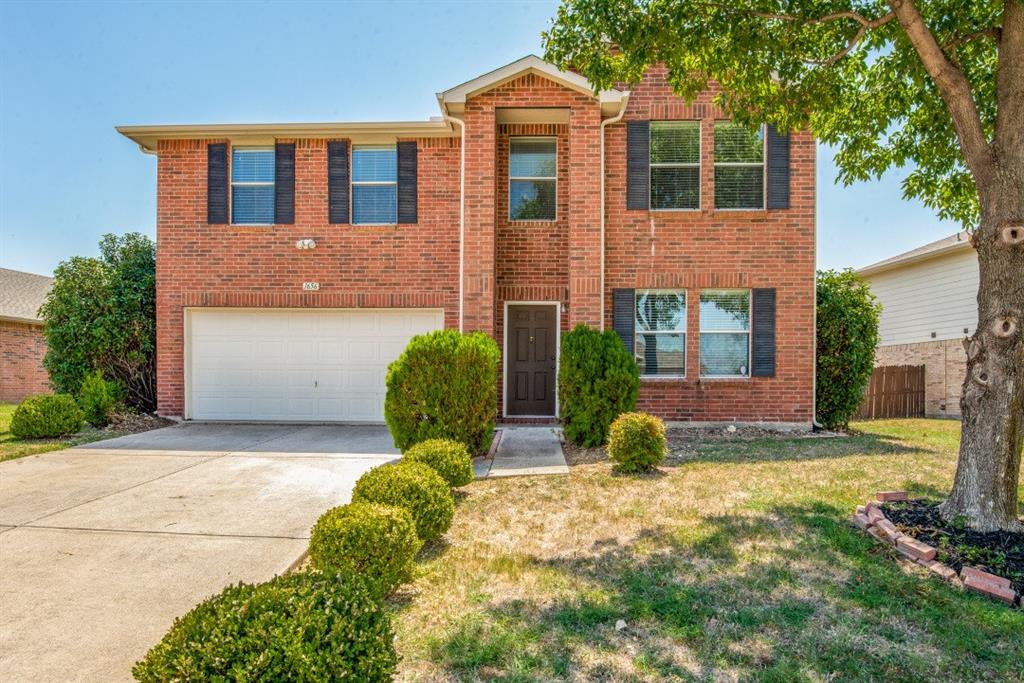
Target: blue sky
70, 72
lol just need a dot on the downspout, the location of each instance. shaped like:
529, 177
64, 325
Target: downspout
462, 204
614, 119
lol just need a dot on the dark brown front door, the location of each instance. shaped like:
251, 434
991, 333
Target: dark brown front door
530, 342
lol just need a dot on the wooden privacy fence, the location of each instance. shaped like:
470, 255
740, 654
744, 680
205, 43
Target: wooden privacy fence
894, 391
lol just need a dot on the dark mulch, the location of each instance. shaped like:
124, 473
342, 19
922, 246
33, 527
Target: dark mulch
997, 552
133, 423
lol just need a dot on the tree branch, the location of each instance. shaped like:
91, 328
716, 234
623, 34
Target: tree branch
1009, 136
865, 25
952, 85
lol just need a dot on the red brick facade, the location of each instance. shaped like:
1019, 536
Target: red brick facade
417, 265
22, 347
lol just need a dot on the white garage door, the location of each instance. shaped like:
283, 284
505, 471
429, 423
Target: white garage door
323, 365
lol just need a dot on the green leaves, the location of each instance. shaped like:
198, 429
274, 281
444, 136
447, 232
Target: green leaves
847, 336
842, 68
101, 316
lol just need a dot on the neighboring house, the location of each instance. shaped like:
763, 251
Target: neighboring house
929, 304
295, 261
22, 343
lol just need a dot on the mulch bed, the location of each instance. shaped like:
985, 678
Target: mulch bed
997, 552
134, 423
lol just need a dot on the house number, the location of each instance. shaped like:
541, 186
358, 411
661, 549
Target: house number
311, 286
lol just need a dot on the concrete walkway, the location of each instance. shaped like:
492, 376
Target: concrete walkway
526, 451
102, 546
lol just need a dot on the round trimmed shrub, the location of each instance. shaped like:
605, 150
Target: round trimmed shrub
415, 487
847, 322
636, 442
448, 458
377, 542
444, 386
46, 416
598, 380
304, 626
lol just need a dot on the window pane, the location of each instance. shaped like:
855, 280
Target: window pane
374, 164
724, 354
737, 144
252, 165
252, 204
725, 311
739, 187
531, 200
675, 142
531, 158
661, 311
661, 354
675, 187
374, 204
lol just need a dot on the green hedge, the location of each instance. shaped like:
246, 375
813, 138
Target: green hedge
377, 542
847, 336
636, 442
415, 487
444, 386
96, 398
305, 626
598, 379
448, 458
46, 416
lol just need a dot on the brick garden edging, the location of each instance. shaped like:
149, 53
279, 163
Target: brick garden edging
871, 519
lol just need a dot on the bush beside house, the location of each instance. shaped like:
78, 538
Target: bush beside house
46, 416
448, 458
598, 380
415, 487
636, 442
848, 316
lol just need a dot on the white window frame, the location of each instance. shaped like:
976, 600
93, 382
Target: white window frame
233, 184
744, 164
368, 183
652, 165
527, 138
684, 332
748, 331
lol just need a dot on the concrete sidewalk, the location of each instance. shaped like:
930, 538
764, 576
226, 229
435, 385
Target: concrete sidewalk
524, 451
101, 547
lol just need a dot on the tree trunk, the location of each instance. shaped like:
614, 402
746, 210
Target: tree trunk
984, 490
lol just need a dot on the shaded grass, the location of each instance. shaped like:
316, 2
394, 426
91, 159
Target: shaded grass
736, 564
12, 447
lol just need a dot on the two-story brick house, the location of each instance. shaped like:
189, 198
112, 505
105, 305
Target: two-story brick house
295, 261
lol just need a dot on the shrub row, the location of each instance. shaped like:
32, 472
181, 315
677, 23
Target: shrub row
48, 416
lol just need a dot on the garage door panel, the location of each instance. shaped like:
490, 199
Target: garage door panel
296, 365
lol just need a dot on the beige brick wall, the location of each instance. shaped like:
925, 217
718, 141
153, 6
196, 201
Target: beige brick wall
945, 364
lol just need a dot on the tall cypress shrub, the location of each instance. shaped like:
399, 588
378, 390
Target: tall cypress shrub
598, 380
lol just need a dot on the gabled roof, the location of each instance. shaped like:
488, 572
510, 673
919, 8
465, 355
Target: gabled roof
954, 242
453, 99
21, 295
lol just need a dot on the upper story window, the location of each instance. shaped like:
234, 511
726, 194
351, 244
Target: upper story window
532, 179
660, 339
739, 167
374, 184
675, 165
252, 186
725, 333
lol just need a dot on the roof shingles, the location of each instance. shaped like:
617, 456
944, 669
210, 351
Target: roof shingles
21, 295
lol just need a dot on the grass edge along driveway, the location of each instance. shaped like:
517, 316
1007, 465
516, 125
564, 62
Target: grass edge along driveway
12, 447
735, 562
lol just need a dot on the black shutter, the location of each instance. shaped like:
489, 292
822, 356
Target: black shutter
337, 181
217, 183
284, 183
407, 182
778, 169
638, 164
624, 315
764, 333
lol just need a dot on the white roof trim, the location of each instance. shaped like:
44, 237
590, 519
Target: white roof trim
529, 64
953, 243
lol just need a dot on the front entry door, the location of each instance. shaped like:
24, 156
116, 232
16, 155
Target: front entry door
530, 342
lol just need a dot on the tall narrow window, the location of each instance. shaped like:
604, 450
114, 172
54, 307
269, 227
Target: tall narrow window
532, 179
739, 167
675, 165
725, 333
660, 340
252, 186
374, 184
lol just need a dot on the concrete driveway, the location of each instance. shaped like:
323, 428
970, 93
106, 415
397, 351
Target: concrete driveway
102, 546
